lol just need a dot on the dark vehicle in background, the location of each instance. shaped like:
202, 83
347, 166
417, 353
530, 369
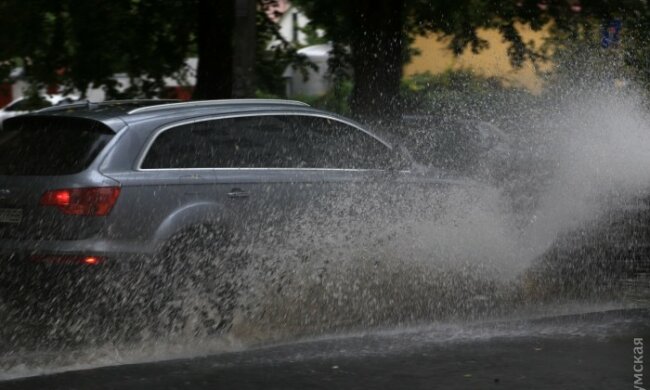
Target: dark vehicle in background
25, 105
163, 187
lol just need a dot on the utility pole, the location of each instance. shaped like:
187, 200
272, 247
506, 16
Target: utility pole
244, 45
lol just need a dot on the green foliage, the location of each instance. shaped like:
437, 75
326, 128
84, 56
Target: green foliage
336, 99
78, 44
458, 20
313, 35
454, 93
637, 45
84, 43
464, 80
460, 94
274, 54
377, 37
575, 49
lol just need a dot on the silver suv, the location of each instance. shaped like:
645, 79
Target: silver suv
94, 186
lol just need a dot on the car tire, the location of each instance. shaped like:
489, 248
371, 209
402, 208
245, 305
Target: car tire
197, 282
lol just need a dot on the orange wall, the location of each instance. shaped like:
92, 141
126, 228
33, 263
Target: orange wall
436, 58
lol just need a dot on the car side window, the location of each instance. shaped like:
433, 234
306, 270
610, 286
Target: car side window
245, 142
268, 141
334, 144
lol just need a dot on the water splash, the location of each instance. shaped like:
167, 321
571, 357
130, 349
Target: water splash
458, 255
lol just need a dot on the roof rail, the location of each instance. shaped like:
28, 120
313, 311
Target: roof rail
62, 107
138, 101
222, 102
89, 104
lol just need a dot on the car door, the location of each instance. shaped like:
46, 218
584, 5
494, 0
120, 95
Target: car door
233, 166
275, 172
269, 175
358, 182
343, 176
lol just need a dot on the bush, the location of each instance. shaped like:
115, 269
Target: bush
336, 99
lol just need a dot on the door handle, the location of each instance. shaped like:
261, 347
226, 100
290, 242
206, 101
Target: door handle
236, 193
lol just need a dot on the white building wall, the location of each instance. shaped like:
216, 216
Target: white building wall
293, 20
19, 88
317, 83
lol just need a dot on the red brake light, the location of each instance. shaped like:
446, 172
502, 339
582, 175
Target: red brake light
62, 197
91, 260
95, 201
67, 259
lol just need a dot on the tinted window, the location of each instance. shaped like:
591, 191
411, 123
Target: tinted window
50, 146
248, 142
333, 144
267, 142
449, 145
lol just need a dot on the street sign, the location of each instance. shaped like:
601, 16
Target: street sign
611, 34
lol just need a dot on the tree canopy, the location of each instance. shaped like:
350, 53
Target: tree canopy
78, 44
377, 34
81, 43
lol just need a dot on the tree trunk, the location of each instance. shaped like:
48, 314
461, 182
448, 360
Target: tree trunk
244, 49
214, 79
377, 57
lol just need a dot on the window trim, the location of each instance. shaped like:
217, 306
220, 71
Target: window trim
158, 132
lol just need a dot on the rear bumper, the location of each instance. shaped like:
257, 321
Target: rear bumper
25, 282
117, 251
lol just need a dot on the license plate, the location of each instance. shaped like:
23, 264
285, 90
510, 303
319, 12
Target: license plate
11, 215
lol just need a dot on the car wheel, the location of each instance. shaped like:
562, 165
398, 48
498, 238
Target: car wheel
198, 280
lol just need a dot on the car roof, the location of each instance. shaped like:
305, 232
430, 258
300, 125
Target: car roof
118, 113
132, 111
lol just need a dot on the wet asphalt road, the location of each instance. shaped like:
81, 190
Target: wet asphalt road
588, 351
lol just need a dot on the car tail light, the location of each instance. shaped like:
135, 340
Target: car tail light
67, 259
95, 201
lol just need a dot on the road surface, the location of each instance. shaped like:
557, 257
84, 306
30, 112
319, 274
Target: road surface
586, 351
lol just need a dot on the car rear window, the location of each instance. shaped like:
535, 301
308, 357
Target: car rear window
36, 146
